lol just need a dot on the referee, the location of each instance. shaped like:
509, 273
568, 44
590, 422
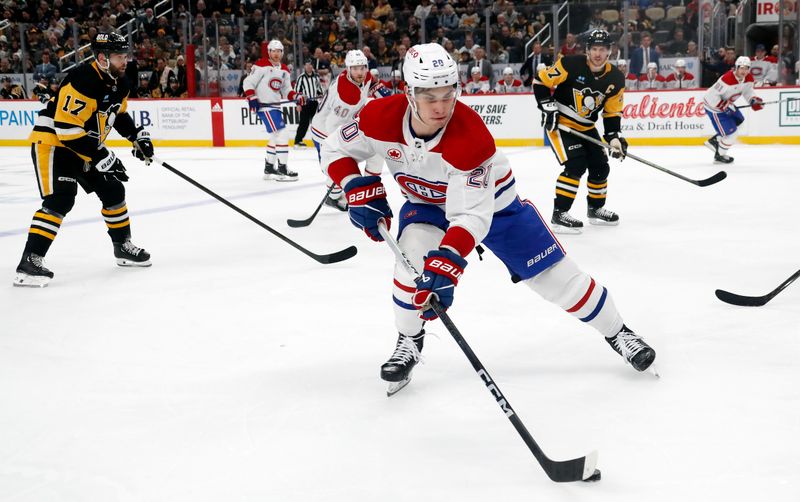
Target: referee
308, 85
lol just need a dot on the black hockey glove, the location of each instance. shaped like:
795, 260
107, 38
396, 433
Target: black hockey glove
107, 164
142, 146
619, 147
549, 115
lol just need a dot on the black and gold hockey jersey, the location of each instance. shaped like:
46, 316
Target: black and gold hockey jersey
87, 104
582, 95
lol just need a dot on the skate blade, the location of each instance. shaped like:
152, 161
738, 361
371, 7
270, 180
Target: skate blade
29, 281
652, 370
286, 179
560, 229
122, 262
395, 387
603, 223
269, 177
723, 161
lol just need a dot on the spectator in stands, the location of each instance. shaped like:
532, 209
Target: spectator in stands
483, 64
143, 91
570, 46
465, 58
398, 84
46, 68
761, 54
225, 52
448, 19
478, 84
678, 45
680, 78
174, 89
469, 45
5, 66
691, 49
451, 49
8, 90
397, 65
372, 63
348, 8
643, 55
382, 11
423, 10
470, 18
148, 22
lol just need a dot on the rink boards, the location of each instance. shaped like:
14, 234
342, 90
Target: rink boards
650, 118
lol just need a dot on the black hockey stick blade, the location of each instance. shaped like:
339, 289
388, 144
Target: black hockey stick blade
304, 223
713, 179
325, 259
741, 301
754, 301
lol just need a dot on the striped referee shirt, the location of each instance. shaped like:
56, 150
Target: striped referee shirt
308, 85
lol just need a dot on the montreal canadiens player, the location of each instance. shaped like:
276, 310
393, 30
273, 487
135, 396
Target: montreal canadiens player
269, 82
725, 117
345, 97
460, 191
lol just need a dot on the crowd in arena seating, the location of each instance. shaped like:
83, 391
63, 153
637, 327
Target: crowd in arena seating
327, 29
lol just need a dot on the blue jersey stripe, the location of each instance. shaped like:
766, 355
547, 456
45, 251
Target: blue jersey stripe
598, 307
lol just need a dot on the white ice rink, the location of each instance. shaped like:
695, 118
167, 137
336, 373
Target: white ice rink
238, 369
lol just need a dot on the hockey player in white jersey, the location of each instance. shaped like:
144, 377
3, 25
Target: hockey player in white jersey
345, 97
719, 103
459, 192
269, 83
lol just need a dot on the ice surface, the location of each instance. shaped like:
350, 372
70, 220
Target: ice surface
237, 369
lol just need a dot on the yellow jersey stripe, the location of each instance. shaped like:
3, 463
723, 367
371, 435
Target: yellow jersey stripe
44, 233
48, 217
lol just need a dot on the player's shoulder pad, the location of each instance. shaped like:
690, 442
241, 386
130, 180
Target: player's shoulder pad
348, 92
285, 68
729, 78
382, 119
573, 62
263, 62
86, 79
616, 76
749, 78
466, 142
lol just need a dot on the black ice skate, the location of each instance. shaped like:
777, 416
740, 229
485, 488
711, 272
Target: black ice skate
337, 202
397, 370
633, 349
602, 216
284, 174
564, 223
270, 173
128, 255
32, 273
712, 144
721, 158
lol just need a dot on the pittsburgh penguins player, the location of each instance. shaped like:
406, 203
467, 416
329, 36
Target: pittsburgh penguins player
574, 92
67, 148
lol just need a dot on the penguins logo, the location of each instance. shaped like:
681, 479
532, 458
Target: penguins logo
587, 101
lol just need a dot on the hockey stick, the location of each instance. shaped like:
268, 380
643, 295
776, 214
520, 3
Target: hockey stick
577, 469
338, 256
277, 103
701, 183
307, 221
787, 100
754, 301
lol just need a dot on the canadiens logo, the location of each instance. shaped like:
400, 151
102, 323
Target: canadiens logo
275, 84
394, 154
434, 192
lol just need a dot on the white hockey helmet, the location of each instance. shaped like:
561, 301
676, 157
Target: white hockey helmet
475, 70
355, 58
397, 74
508, 71
428, 66
680, 63
622, 63
375, 73
275, 45
652, 66
540, 67
742, 61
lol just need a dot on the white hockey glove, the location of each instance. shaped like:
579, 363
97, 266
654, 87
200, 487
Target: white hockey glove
550, 116
618, 144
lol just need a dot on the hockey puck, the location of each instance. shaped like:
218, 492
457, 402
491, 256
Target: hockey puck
594, 477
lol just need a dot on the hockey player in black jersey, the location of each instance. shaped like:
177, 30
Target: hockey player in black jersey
68, 150
41, 90
574, 92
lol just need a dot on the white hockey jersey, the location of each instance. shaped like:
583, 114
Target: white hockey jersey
270, 83
341, 103
727, 90
463, 173
514, 87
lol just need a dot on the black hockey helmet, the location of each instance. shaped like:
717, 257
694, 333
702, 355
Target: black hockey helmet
110, 43
598, 37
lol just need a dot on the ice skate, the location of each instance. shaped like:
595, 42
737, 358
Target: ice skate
284, 174
397, 370
633, 349
712, 144
270, 173
563, 223
337, 202
32, 273
602, 216
721, 158
128, 255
